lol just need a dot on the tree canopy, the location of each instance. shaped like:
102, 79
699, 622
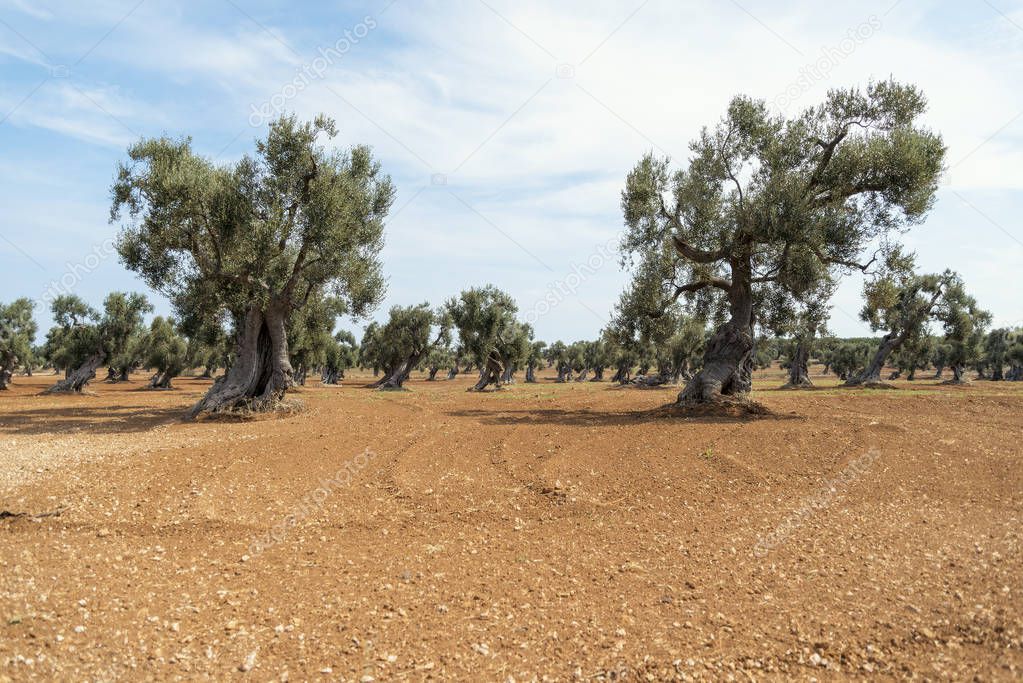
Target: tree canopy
767, 206
255, 239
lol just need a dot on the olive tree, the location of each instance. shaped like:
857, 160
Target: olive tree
165, 350
439, 358
341, 354
408, 336
901, 303
914, 355
309, 334
557, 355
964, 323
83, 338
849, 357
488, 332
996, 352
767, 206
17, 332
255, 240
535, 359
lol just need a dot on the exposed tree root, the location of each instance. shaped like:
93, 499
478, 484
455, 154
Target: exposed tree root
727, 407
254, 410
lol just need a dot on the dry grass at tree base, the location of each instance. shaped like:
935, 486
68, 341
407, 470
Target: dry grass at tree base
568, 530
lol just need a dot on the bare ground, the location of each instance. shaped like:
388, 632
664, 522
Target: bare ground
558, 531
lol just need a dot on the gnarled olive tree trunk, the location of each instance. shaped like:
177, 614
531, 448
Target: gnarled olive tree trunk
8, 363
508, 376
799, 370
531, 373
958, 375
623, 374
728, 358
490, 373
162, 380
727, 366
872, 373
76, 380
396, 379
261, 372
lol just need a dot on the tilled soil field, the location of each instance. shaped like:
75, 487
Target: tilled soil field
547, 531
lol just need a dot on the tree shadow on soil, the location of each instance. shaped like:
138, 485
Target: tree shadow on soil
115, 419
605, 418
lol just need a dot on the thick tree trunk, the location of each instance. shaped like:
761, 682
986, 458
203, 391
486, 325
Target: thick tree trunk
111, 375
728, 358
996, 373
581, 377
207, 372
799, 367
912, 375
727, 366
531, 373
433, 375
6, 372
564, 374
162, 380
396, 379
623, 374
508, 376
598, 375
300, 375
490, 374
938, 372
77, 380
330, 377
872, 373
452, 373
261, 373
958, 375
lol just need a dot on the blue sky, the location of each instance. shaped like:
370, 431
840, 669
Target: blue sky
508, 127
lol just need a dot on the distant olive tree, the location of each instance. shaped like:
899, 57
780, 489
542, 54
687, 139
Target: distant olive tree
165, 351
488, 332
965, 324
17, 332
84, 338
899, 302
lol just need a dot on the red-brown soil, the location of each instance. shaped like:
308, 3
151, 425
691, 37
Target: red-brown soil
545, 531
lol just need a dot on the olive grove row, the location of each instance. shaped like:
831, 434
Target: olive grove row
734, 257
